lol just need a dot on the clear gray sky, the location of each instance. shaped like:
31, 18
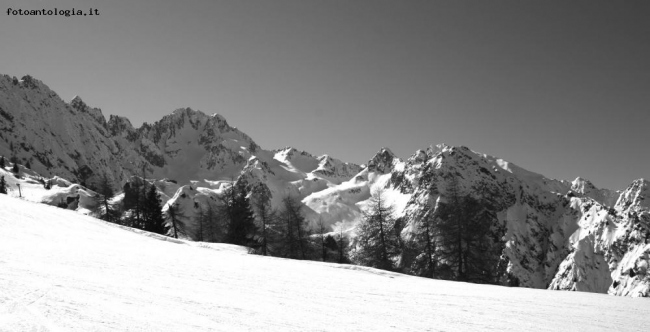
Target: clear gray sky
560, 88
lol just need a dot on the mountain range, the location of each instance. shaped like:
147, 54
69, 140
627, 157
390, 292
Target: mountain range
556, 234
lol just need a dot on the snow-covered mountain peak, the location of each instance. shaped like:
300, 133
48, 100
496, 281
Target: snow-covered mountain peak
334, 169
289, 152
586, 188
297, 160
219, 118
435, 149
120, 126
80, 106
417, 158
324, 159
636, 194
579, 183
28, 81
182, 115
383, 162
76, 100
327, 163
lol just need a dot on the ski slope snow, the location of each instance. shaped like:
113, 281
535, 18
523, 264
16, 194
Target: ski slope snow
62, 271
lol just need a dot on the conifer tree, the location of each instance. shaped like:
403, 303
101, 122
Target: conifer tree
134, 202
295, 235
2, 162
201, 222
213, 228
321, 239
451, 224
241, 227
142, 209
175, 217
342, 246
3, 185
265, 215
16, 169
424, 243
129, 197
465, 248
152, 209
377, 242
331, 247
107, 210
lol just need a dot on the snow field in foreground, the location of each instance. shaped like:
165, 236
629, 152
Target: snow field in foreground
61, 271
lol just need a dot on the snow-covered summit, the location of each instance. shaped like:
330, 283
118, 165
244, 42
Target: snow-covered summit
79, 105
383, 162
637, 194
603, 196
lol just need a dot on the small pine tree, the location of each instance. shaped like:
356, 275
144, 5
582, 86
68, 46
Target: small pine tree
3, 185
175, 216
330, 243
342, 247
295, 235
141, 209
154, 221
130, 195
265, 215
28, 165
241, 226
133, 202
377, 240
213, 228
105, 209
321, 239
201, 221
16, 169
424, 244
2, 162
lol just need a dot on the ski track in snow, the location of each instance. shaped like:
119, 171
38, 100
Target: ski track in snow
61, 271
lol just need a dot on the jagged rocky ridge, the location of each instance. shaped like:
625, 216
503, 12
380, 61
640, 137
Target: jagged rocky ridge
556, 234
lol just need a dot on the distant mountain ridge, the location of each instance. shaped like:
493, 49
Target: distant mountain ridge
556, 234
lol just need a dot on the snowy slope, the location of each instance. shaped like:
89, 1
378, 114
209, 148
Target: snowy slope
61, 271
75, 197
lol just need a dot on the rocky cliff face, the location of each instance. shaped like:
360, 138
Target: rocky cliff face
71, 140
609, 251
554, 234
